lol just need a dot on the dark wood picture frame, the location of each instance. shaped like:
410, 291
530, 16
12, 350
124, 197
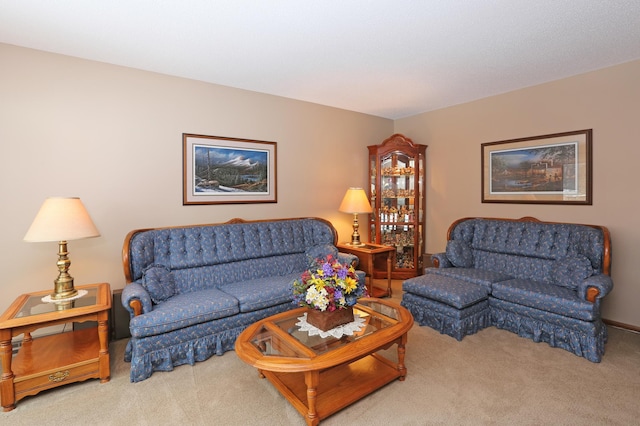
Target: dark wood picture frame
222, 170
547, 169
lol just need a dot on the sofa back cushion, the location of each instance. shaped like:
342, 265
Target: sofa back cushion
209, 276
459, 253
196, 247
529, 250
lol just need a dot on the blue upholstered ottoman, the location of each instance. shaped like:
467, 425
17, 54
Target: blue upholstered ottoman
449, 305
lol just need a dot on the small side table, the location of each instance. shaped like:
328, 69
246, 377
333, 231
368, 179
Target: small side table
367, 254
51, 361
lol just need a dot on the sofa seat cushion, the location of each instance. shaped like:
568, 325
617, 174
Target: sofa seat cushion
184, 310
483, 277
261, 293
546, 297
453, 292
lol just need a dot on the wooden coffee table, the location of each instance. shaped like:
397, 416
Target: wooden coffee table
321, 376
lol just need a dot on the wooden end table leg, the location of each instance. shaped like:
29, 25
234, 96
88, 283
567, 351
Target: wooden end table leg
7, 393
103, 337
401, 351
312, 378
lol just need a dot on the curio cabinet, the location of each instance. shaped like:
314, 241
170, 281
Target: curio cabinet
396, 190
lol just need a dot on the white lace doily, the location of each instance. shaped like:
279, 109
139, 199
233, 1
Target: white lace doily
48, 299
341, 330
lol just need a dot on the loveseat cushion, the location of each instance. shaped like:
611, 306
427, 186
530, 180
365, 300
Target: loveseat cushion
261, 293
546, 297
159, 283
482, 277
460, 254
570, 272
183, 310
457, 293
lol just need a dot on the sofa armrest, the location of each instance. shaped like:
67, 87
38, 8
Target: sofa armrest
348, 259
440, 260
595, 287
136, 299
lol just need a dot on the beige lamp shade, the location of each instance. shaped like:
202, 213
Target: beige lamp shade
61, 219
355, 201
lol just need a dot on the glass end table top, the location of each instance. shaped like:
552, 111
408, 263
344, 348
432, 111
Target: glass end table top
35, 306
270, 343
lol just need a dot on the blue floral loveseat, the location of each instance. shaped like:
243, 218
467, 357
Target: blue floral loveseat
191, 290
542, 280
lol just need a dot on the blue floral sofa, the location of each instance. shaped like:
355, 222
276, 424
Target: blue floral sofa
191, 290
544, 281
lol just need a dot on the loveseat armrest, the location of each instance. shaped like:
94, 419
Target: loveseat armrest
136, 299
595, 287
440, 260
348, 259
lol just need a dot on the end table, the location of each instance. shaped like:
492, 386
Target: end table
367, 253
55, 360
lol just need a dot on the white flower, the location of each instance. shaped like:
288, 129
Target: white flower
317, 298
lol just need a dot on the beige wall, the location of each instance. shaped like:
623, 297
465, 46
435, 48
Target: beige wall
113, 136
607, 101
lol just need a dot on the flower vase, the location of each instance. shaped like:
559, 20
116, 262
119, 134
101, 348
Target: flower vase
327, 320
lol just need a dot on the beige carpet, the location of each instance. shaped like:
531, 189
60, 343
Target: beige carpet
492, 378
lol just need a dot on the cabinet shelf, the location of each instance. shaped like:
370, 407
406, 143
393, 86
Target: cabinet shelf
396, 185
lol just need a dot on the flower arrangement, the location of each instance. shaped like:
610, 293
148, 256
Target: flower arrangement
327, 286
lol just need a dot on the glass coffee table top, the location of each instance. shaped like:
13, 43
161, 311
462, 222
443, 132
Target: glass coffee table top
270, 342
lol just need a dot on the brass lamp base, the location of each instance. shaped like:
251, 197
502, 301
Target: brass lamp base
355, 237
63, 285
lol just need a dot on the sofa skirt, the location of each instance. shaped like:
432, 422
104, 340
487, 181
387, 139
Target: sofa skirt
191, 344
582, 338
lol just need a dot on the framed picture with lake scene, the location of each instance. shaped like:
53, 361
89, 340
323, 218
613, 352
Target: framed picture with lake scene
548, 169
221, 170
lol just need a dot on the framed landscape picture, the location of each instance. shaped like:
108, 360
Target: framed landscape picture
548, 169
221, 170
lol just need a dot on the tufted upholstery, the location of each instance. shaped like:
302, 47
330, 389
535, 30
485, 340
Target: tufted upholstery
538, 276
225, 277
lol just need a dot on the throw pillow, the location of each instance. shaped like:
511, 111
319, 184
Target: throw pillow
320, 251
159, 283
459, 253
571, 271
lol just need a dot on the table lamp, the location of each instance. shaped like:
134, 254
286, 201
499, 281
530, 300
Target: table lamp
355, 201
62, 219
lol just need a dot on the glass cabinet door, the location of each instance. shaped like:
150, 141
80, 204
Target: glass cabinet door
396, 186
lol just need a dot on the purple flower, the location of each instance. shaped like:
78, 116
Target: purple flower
342, 273
327, 269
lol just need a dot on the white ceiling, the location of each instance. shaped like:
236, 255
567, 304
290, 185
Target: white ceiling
389, 58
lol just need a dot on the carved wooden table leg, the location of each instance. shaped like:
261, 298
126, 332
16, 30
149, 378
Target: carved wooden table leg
401, 351
312, 378
6, 381
103, 336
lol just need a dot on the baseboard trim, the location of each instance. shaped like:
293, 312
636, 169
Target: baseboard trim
622, 325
